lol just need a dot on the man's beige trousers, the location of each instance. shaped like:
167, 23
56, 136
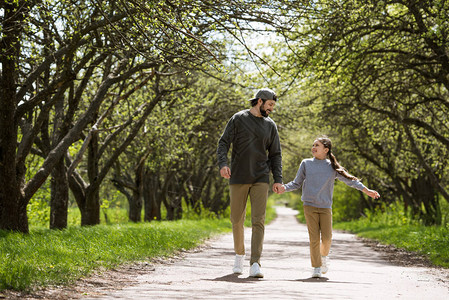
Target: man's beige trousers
258, 194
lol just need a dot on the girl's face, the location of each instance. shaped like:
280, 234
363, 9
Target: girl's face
318, 150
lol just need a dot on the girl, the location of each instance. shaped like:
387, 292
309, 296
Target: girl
316, 176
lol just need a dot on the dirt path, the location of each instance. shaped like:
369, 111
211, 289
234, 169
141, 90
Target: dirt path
356, 272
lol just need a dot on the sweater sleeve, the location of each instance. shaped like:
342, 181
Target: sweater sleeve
299, 179
275, 157
224, 143
352, 183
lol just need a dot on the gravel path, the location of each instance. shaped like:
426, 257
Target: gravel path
356, 272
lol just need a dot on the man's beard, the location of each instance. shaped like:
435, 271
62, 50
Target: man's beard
263, 112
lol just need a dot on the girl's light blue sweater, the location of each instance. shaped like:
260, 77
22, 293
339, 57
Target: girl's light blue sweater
316, 178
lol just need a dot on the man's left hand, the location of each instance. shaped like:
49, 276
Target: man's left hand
277, 188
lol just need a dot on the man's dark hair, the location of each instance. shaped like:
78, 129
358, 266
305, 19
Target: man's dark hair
254, 102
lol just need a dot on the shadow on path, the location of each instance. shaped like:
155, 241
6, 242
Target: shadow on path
235, 278
325, 279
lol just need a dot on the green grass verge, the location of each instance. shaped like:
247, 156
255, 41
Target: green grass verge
392, 225
431, 241
58, 257
47, 257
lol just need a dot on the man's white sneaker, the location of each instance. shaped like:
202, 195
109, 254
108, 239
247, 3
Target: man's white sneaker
324, 264
238, 264
316, 273
255, 271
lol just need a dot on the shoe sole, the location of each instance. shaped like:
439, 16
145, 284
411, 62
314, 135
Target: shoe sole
237, 272
256, 276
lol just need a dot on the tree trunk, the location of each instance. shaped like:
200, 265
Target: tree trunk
170, 209
427, 196
10, 190
59, 196
177, 202
135, 207
152, 206
220, 198
59, 184
90, 213
135, 203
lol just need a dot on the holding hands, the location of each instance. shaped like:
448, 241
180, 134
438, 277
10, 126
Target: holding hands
278, 188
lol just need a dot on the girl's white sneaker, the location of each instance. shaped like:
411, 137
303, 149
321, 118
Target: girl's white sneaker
316, 273
324, 264
238, 264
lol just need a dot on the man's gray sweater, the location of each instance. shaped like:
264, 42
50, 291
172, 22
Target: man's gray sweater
256, 149
317, 178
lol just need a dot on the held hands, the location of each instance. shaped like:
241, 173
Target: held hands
278, 188
372, 193
225, 172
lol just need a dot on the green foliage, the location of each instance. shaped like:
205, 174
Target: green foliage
38, 210
346, 203
444, 211
199, 213
117, 215
393, 214
362, 78
105, 64
271, 210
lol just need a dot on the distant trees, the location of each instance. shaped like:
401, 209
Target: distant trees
83, 77
379, 72
67, 61
130, 95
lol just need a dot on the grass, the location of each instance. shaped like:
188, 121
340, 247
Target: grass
431, 241
394, 227
47, 257
58, 257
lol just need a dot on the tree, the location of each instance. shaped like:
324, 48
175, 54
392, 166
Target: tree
379, 69
60, 63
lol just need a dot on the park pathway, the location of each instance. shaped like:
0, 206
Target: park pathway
356, 272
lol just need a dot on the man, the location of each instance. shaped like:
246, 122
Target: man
255, 151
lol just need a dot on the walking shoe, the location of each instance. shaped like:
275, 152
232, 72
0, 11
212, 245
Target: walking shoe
238, 264
255, 271
324, 264
316, 273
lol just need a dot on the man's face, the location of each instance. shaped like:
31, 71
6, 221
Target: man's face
267, 107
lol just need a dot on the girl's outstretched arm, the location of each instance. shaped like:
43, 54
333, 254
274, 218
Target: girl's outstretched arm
371, 193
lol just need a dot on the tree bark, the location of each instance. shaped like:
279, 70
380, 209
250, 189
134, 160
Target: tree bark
90, 213
135, 208
152, 204
11, 199
59, 196
425, 192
